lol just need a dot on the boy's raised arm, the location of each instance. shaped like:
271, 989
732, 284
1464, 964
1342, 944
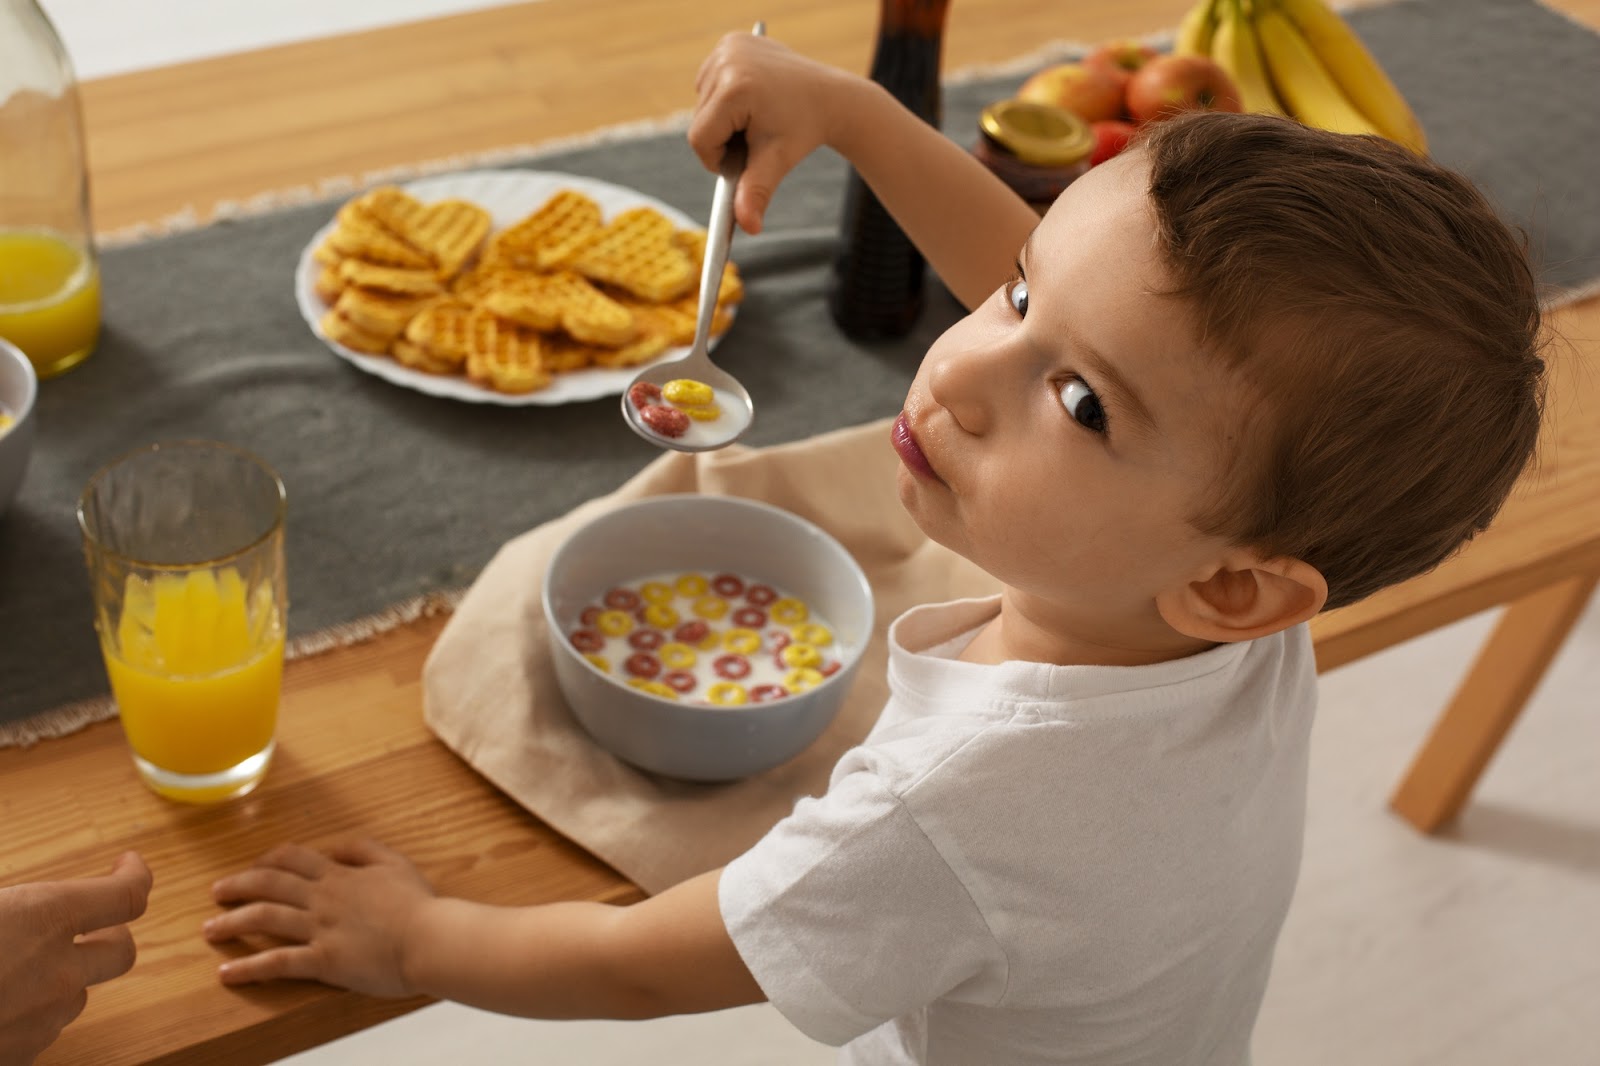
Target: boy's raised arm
966, 221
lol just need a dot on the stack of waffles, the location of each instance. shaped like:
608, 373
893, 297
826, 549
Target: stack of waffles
562, 290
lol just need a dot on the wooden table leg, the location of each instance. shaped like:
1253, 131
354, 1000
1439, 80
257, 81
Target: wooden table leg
1505, 674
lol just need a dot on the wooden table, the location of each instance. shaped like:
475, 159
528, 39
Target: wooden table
354, 753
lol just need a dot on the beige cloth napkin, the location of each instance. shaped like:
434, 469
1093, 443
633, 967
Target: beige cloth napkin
490, 693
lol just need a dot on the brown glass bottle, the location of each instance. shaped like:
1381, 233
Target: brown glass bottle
878, 273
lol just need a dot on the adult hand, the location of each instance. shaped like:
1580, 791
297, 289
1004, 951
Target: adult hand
56, 939
344, 914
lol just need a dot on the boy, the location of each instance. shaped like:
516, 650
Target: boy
1241, 373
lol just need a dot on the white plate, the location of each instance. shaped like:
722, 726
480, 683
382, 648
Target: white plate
508, 196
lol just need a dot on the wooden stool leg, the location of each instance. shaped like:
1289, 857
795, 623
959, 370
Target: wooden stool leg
1505, 674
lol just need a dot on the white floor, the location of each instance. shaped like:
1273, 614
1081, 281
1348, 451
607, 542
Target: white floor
1478, 948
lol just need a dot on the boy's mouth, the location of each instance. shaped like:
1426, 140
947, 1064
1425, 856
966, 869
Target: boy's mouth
910, 452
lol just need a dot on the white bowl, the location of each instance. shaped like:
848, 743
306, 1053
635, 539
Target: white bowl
689, 741
19, 388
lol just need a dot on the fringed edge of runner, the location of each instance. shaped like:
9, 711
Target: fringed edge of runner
61, 721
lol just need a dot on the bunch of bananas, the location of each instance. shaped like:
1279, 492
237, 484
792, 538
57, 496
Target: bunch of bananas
1298, 58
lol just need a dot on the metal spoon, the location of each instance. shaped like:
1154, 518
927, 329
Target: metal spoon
732, 397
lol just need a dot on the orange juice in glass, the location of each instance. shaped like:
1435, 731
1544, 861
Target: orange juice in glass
184, 544
49, 297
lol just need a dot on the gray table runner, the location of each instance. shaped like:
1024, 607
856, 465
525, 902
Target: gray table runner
394, 494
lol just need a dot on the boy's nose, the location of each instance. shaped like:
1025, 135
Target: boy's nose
965, 383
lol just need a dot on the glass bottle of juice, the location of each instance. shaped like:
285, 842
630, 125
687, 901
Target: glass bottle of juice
877, 291
49, 280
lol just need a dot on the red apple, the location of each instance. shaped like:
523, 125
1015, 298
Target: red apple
1110, 137
1121, 59
1088, 92
1170, 84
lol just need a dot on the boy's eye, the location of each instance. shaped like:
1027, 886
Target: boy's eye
1017, 296
1083, 405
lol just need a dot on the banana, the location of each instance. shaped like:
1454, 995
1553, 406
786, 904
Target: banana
1194, 32
1303, 83
1355, 71
1234, 47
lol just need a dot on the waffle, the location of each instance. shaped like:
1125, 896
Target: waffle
565, 301
358, 236
649, 344
390, 207
676, 320
545, 239
327, 255
341, 330
418, 358
693, 243
379, 313
443, 330
635, 251
503, 356
328, 285
401, 281
449, 231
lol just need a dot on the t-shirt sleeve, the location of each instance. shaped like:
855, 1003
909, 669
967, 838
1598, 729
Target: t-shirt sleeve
848, 916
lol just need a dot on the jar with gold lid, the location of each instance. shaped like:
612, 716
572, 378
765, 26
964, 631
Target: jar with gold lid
1036, 149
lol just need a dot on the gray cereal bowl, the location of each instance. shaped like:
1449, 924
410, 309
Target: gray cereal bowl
19, 388
696, 742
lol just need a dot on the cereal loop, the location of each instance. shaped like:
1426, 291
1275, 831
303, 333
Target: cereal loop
800, 655
743, 641
655, 688
590, 615
692, 632
708, 413
615, 623
587, 640
812, 633
712, 607
680, 681
692, 585
641, 665
656, 592
678, 656
802, 678
729, 585
646, 639
789, 612
659, 615
750, 617
687, 392
760, 595
831, 667
622, 599
726, 694
600, 663
732, 667
768, 693
666, 421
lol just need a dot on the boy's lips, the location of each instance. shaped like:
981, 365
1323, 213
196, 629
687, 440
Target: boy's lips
910, 452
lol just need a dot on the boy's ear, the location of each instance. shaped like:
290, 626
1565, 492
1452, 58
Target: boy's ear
1244, 598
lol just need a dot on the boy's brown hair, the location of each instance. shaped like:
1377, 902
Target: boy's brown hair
1386, 317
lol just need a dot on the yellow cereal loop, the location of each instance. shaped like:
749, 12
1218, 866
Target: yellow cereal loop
655, 688
660, 615
813, 633
676, 656
687, 392
600, 663
709, 413
692, 585
710, 608
742, 641
711, 641
656, 592
789, 612
614, 623
726, 694
802, 678
800, 655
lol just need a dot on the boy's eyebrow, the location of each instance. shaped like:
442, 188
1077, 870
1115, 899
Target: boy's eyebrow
1125, 399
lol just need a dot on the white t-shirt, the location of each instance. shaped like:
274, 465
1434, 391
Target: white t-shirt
1028, 863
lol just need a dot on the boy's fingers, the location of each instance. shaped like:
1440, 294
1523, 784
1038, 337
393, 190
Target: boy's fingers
297, 860
270, 919
708, 136
297, 963
263, 883
363, 851
105, 953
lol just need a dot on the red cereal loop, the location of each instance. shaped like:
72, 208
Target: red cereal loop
732, 667
680, 680
831, 668
646, 639
727, 585
750, 617
767, 693
779, 639
622, 599
587, 640
590, 615
761, 595
667, 421
643, 394
642, 665
692, 633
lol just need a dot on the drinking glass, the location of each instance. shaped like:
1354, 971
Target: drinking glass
184, 545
